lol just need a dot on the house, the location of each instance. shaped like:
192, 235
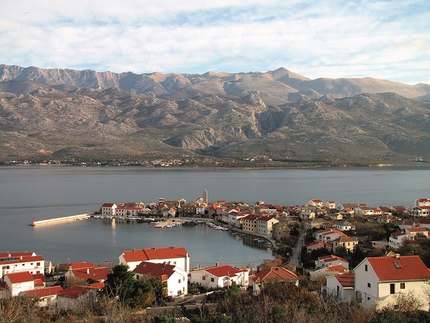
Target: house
46, 296
315, 245
341, 286
366, 211
234, 218
76, 296
275, 274
108, 209
177, 256
13, 262
380, 244
343, 226
348, 242
413, 232
201, 209
327, 271
87, 272
331, 205
378, 280
265, 224
331, 260
220, 276
422, 202
328, 235
425, 223
174, 280
19, 282
421, 211
316, 203
249, 223
397, 239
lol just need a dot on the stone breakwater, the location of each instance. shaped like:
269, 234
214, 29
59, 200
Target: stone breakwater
63, 219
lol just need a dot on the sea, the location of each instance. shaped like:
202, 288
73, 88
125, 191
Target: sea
43, 192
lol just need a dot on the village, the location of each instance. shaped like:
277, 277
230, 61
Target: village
352, 252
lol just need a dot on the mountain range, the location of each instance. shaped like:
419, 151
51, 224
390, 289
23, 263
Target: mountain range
59, 113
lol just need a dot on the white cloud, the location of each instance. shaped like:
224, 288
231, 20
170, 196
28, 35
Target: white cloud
385, 39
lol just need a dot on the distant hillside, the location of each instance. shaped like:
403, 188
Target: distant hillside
64, 113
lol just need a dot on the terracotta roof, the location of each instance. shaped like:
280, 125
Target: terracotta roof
14, 258
108, 204
43, 292
222, 271
346, 239
81, 265
265, 218
164, 271
346, 280
16, 254
338, 268
20, 277
275, 273
75, 291
418, 229
99, 273
399, 268
154, 253
424, 221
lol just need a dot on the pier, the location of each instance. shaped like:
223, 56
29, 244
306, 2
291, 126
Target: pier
64, 219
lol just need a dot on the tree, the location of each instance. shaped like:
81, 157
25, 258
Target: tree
120, 283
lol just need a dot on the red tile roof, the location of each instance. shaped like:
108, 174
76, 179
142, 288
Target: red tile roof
81, 265
99, 273
346, 280
164, 271
17, 258
43, 292
75, 291
20, 277
399, 268
222, 271
275, 273
155, 253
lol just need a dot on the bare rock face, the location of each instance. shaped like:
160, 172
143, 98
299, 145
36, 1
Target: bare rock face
280, 114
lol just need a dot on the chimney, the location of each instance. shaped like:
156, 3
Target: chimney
88, 271
216, 264
397, 256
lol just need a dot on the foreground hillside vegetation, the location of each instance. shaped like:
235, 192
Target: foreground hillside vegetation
277, 117
276, 303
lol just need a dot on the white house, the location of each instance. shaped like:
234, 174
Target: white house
422, 202
19, 282
421, 211
341, 286
220, 276
330, 205
330, 260
234, 217
15, 262
177, 256
316, 202
397, 239
108, 209
378, 280
343, 226
265, 224
75, 297
46, 296
174, 279
328, 235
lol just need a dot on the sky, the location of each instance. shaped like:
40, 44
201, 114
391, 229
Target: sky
361, 38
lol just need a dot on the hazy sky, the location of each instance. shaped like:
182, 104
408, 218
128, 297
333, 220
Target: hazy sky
382, 39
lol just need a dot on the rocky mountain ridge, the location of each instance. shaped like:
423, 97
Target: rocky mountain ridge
40, 117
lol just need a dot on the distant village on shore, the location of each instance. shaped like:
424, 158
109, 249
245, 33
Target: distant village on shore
351, 251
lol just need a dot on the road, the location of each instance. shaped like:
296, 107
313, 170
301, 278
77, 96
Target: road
295, 257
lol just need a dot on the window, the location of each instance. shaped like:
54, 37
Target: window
369, 285
204, 278
212, 280
392, 288
402, 285
365, 267
179, 281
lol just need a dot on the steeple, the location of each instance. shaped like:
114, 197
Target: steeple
205, 196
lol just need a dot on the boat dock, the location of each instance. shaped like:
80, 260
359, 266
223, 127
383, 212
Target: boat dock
64, 219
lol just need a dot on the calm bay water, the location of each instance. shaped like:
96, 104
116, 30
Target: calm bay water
46, 192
